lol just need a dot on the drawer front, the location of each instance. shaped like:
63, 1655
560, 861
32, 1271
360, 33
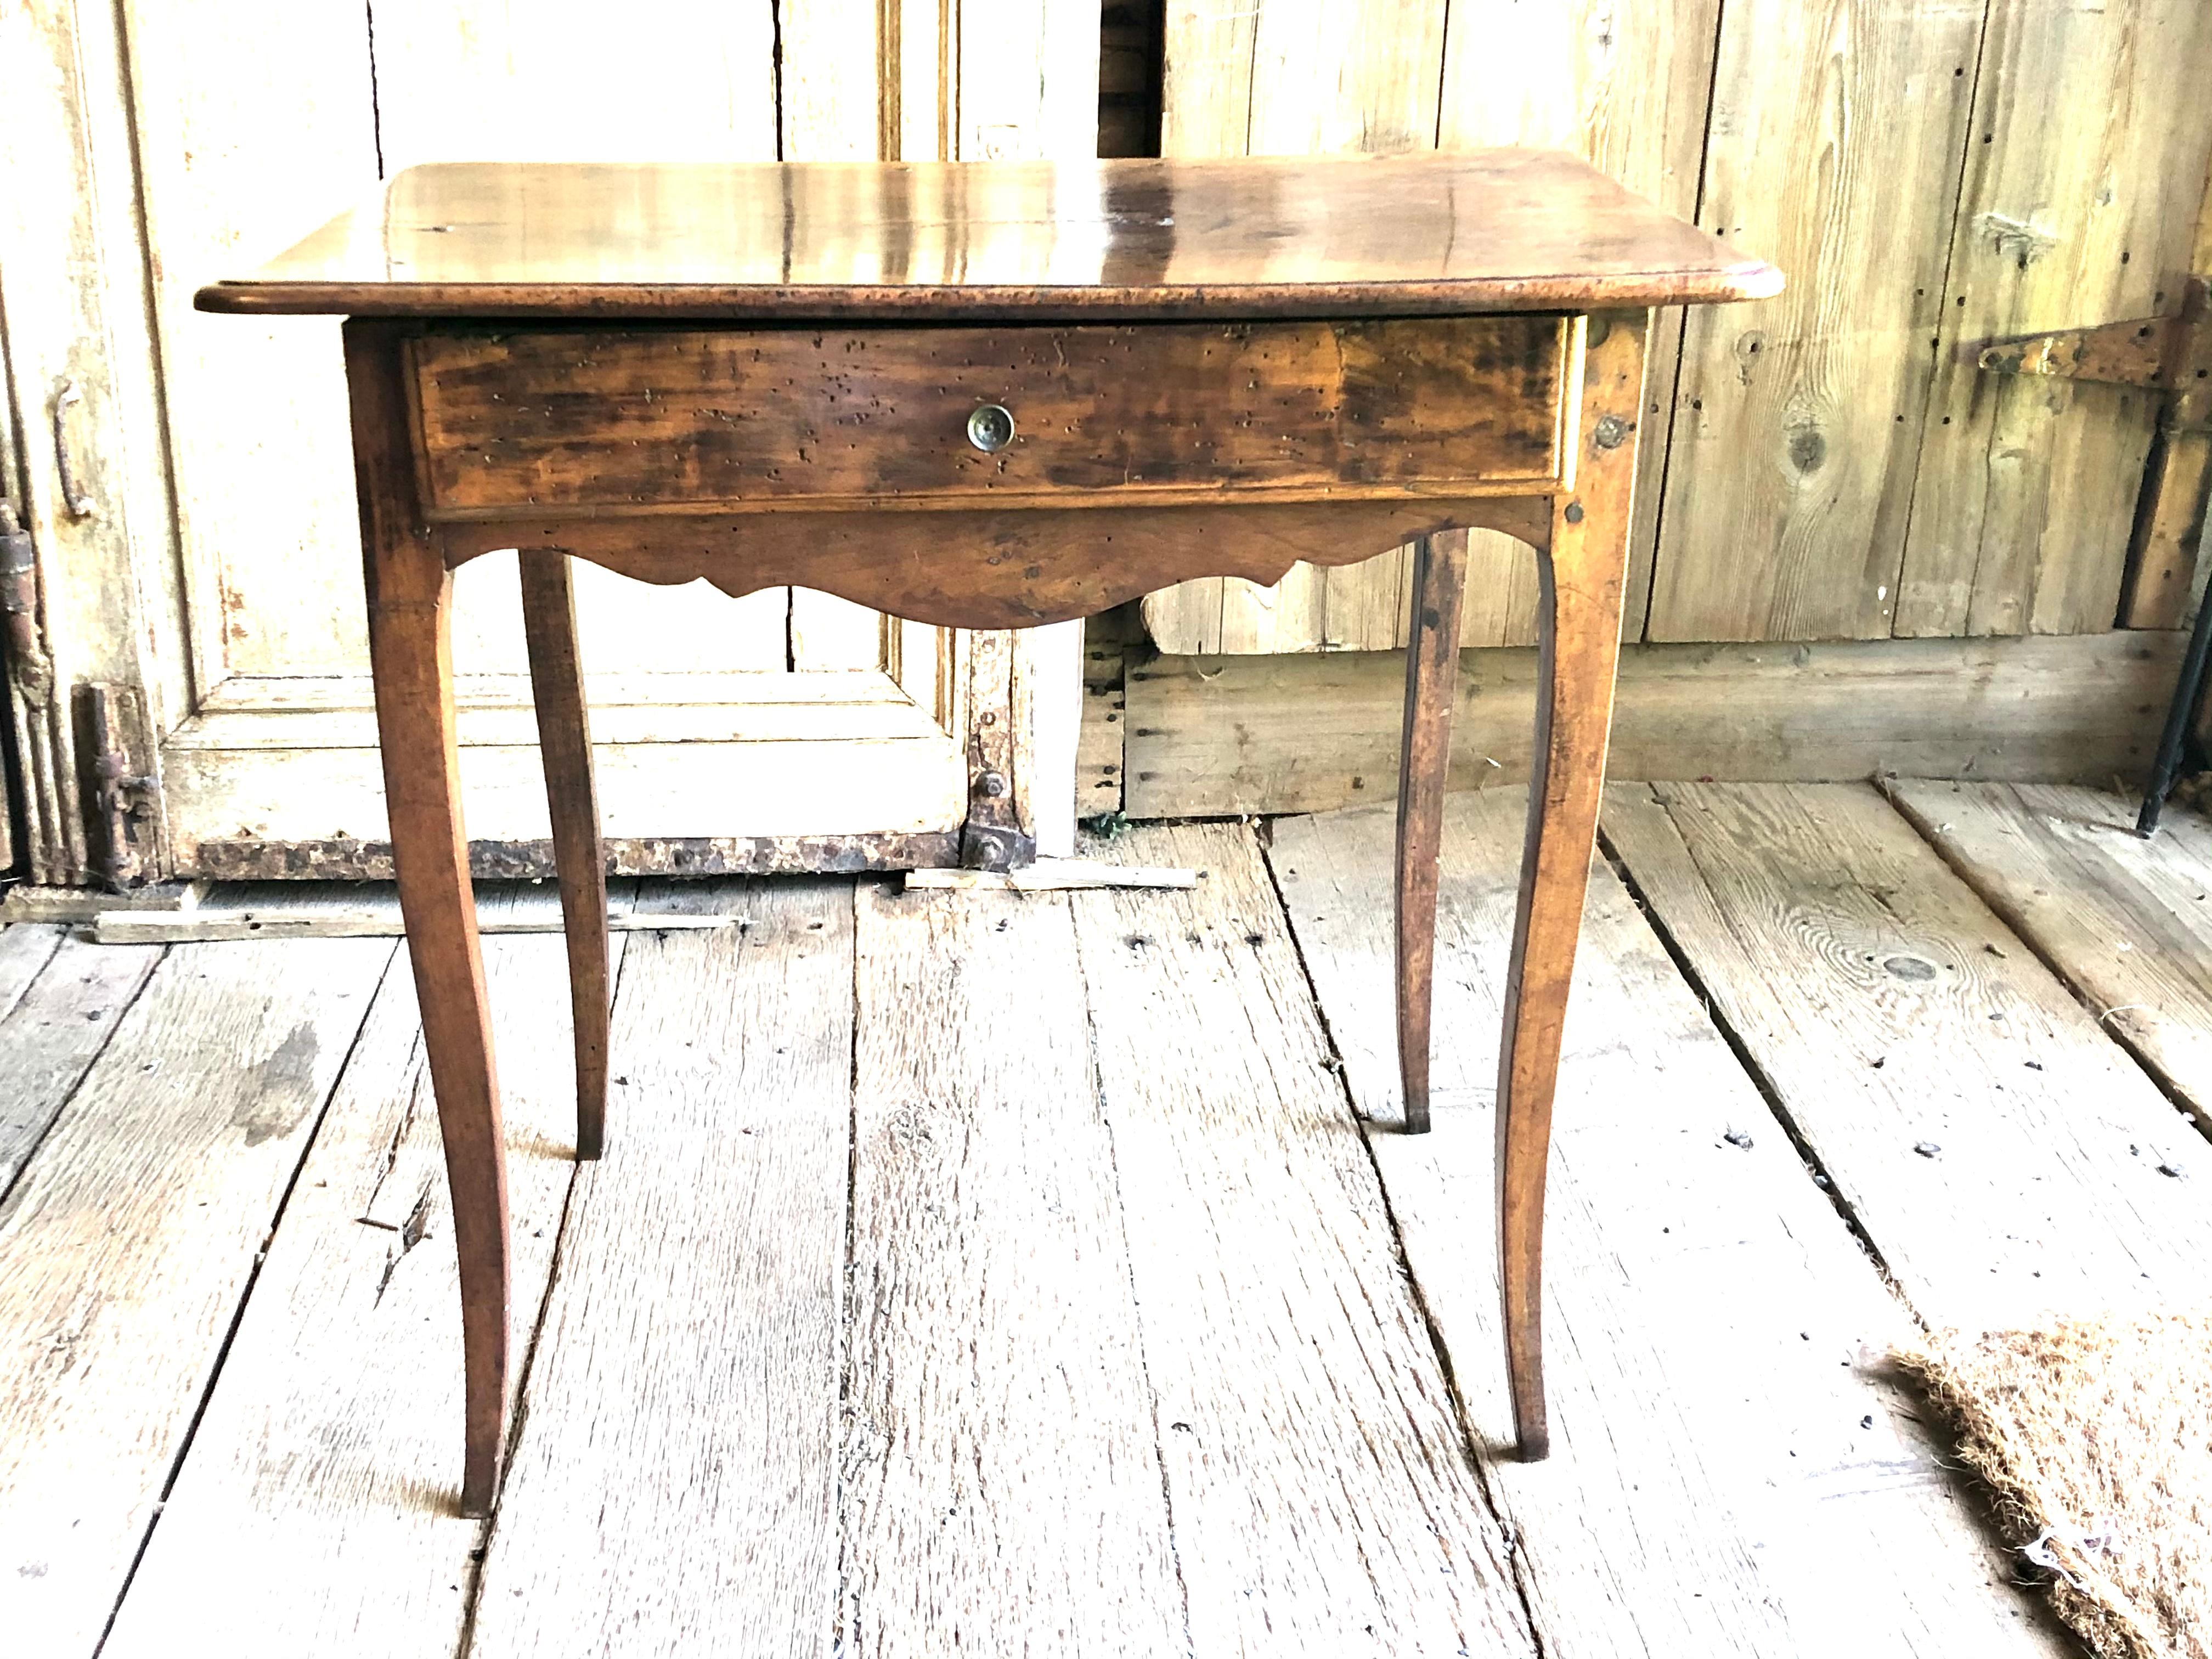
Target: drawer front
604, 421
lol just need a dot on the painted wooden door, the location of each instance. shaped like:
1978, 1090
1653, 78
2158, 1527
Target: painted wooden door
206, 600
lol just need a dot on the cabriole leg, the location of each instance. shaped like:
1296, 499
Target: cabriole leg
1578, 647
410, 649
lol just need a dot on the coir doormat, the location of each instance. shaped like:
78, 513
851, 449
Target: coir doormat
2096, 1437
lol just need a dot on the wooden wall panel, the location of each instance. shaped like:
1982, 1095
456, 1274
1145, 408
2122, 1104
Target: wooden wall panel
2085, 169
1930, 173
2164, 581
1291, 77
1205, 99
1835, 133
1624, 87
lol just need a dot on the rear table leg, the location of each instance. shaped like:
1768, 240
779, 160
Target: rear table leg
556, 683
1431, 683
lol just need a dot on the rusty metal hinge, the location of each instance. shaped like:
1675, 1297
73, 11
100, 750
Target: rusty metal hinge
28, 665
123, 796
2172, 355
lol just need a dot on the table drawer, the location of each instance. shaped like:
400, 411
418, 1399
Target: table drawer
609, 421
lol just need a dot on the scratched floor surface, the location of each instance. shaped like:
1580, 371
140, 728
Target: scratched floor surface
1006, 1275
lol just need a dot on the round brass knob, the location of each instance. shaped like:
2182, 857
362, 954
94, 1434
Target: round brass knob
991, 427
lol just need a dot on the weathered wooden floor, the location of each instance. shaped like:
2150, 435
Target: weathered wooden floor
1006, 1275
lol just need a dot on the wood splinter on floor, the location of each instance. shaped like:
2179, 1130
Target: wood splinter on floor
209, 926
1054, 876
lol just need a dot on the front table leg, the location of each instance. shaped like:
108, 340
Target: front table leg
410, 653
1578, 647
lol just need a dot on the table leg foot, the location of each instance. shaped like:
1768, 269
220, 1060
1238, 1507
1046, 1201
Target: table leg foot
1431, 683
557, 684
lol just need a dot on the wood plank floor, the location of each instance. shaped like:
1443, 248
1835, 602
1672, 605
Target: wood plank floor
1001, 1273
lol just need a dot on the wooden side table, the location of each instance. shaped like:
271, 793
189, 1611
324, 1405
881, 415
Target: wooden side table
989, 396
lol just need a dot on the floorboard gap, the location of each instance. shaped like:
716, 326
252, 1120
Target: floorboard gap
470, 1595
1978, 883
1517, 1562
838, 1622
245, 1292
1122, 1211
44, 960
1768, 1091
10, 1180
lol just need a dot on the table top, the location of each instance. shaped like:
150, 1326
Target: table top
1481, 231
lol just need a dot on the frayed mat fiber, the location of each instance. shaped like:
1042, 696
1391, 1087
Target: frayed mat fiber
2096, 1437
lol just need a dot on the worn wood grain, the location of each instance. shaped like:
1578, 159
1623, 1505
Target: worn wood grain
1206, 78
1345, 77
1796, 425
1322, 1494
1025, 86
673, 1476
126, 1247
2127, 923
1101, 739
1489, 230
1890, 1010
67, 999
1009, 567
2167, 556
25, 949
71, 237
1732, 1472
2165, 577
758, 777
535, 423
2084, 177
1209, 736
317, 1510
1049, 876
999, 1493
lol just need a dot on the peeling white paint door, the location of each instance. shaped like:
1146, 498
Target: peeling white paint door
217, 579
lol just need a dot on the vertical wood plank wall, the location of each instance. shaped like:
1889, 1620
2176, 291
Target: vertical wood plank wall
1832, 464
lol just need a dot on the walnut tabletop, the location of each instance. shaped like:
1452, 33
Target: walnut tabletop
990, 395
1483, 231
